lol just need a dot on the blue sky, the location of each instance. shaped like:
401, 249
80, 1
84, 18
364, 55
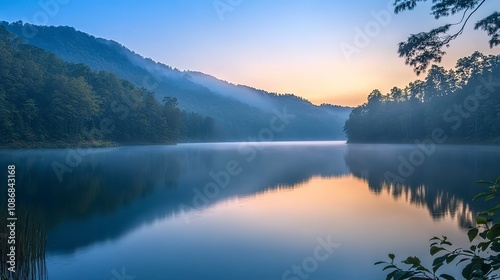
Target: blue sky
285, 46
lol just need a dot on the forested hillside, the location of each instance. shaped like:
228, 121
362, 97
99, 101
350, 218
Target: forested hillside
46, 100
238, 112
463, 102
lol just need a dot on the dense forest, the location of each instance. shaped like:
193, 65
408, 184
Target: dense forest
462, 103
46, 100
238, 112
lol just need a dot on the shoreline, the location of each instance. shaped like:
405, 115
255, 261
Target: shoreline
66, 145
461, 143
110, 144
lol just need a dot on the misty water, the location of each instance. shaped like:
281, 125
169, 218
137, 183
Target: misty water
296, 210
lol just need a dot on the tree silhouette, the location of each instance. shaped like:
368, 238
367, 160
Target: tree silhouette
440, 100
421, 49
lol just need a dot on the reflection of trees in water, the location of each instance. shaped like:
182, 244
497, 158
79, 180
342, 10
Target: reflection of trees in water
99, 184
100, 189
440, 204
31, 240
153, 181
444, 183
271, 167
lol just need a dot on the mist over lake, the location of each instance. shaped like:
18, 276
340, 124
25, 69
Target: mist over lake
148, 209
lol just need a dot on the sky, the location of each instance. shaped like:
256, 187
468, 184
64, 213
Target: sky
323, 50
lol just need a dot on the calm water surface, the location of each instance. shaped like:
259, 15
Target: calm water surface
298, 210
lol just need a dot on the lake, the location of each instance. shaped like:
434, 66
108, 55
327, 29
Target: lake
285, 210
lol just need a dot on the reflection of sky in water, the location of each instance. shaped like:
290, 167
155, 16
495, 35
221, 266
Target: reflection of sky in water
265, 221
262, 236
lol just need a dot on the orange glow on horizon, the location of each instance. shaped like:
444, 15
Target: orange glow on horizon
328, 77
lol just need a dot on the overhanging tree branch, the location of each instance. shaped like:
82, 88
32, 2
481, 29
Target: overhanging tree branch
421, 49
491, 25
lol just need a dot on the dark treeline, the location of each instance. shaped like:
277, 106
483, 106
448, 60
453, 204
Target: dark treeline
464, 102
45, 100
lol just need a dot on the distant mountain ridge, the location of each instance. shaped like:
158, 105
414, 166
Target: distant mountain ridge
240, 112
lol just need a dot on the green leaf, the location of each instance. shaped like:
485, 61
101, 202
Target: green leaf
495, 247
468, 269
481, 220
496, 208
390, 275
472, 234
446, 243
421, 268
484, 182
451, 258
498, 180
447, 276
377, 263
389, 266
435, 249
436, 267
412, 260
483, 213
484, 245
473, 266
402, 275
391, 256
490, 197
494, 232
479, 195
439, 261
485, 268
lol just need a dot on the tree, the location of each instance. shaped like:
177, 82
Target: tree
5, 116
45, 101
172, 116
445, 98
439, 82
375, 98
425, 47
397, 94
73, 104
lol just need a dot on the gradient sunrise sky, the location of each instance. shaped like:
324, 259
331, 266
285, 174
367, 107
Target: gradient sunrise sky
292, 46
